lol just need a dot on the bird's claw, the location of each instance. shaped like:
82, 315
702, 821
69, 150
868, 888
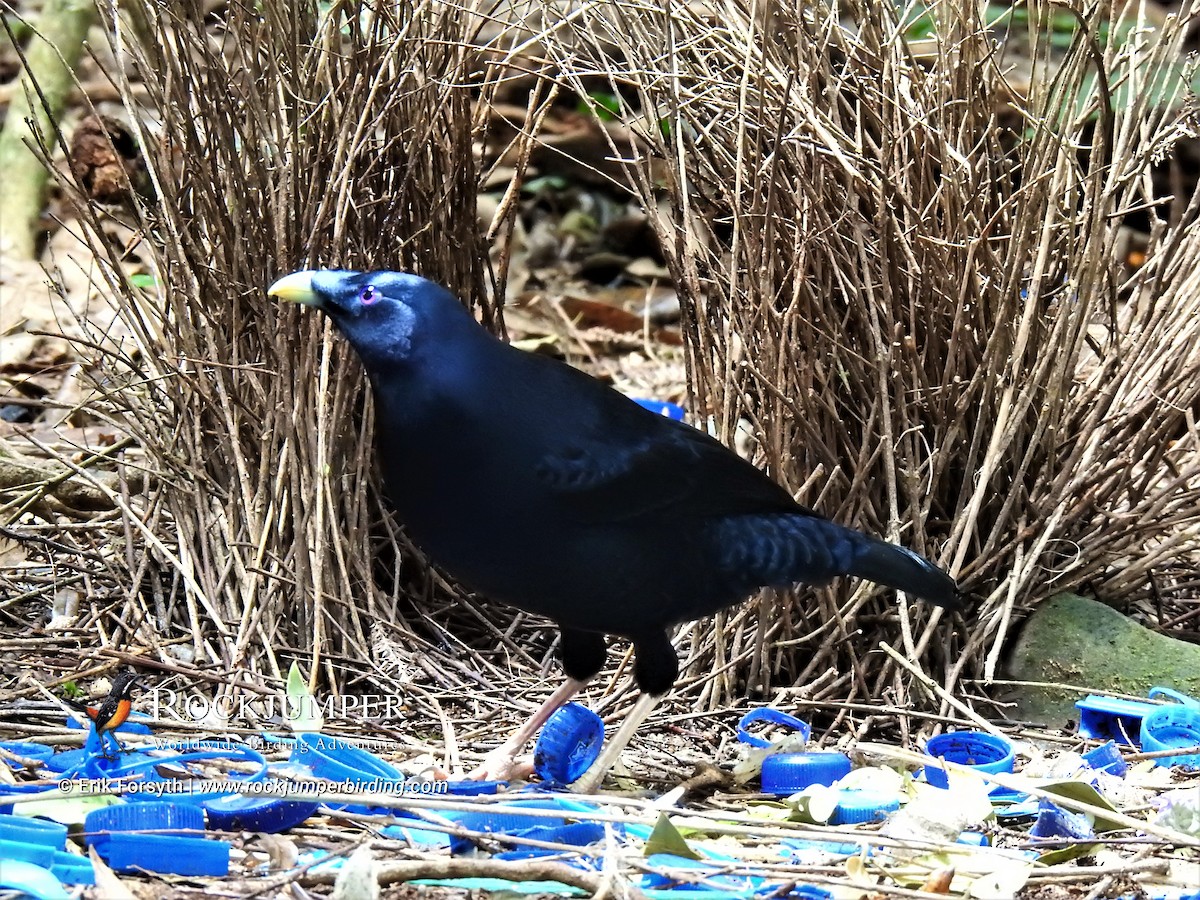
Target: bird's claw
502, 765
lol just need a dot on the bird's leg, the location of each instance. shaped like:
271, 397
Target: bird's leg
498, 764
590, 780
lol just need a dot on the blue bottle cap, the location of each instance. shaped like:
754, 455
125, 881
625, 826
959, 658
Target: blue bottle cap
33, 831
270, 815
166, 854
1173, 727
977, 749
569, 743
772, 717
974, 838
787, 773
29, 880
158, 817
856, 807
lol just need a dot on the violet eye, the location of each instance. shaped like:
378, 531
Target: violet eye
368, 296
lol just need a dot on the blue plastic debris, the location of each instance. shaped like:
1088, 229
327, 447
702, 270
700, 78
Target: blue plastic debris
974, 839
30, 880
569, 743
1113, 718
771, 717
858, 806
1173, 728
1055, 822
786, 773
270, 815
38, 753
41, 843
129, 852
976, 749
662, 407
1106, 758
700, 873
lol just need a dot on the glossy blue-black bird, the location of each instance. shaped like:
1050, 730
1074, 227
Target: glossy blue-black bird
538, 486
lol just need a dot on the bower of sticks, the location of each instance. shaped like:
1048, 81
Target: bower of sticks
938, 274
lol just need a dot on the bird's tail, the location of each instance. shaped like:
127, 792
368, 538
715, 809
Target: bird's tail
782, 550
900, 568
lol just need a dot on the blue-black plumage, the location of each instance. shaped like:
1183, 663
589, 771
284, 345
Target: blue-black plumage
539, 486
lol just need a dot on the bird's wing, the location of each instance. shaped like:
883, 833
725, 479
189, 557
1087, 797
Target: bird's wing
636, 463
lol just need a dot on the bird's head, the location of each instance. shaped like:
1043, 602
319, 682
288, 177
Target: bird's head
388, 317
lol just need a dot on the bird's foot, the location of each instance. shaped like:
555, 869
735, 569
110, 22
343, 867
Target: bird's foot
502, 765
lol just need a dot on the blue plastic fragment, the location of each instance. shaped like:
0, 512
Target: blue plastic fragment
1054, 821
126, 852
30, 880
858, 806
707, 874
974, 838
787, 773
336, 759
1112, 719
805, 851
474, 788
977, 749
771, 717
1106, 758
568, 744
662, 407
71, 869
159, 817
269, 815
1173, 728
33, 831
39, 753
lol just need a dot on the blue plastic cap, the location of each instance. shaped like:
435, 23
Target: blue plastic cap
977, 749
166, 854
771, 717
787, 773
158, 817
1173, 728
568, 745
856, 807
974, 839
33, 831
1106, 758
270, 815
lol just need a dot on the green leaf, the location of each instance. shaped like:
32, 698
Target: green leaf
1066, 854
142, 280
604, 104
303, 713
665, 838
